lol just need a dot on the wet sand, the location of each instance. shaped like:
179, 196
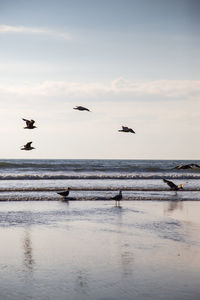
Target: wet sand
94, 250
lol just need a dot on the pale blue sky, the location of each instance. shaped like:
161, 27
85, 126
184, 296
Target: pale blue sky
134, 63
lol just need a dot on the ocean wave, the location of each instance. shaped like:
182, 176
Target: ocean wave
98, 176
76, 166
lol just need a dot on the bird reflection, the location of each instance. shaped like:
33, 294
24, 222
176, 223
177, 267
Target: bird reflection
174, 205
127, 261
82, 281
126, 256
28, 252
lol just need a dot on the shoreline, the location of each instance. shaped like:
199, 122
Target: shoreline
137, 199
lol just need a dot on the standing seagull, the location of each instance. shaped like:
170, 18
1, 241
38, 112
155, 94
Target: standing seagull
28, 146
117, 198
29, 124
126, 129
173, 186
81, 108
64, 193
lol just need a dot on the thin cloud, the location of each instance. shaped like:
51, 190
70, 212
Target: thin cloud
118, 88
165, 88
6, 29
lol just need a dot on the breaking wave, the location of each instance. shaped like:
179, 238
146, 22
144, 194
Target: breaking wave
98, 176
76, 166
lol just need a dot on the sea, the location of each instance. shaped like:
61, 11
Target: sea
98, 179
88, 248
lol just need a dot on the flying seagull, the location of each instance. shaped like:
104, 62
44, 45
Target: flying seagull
64, 193
117, 198
28, 146
126, 129
81, 108
29, 124
189, 166
173, 186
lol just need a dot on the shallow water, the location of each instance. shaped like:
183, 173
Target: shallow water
94, 250
24, 180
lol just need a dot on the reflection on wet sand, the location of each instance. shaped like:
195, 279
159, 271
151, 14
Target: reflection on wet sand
94, 250
127, 259
125, 255
27, 249
173, 205
81, 283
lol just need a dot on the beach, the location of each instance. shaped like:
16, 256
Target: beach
99, 160
87, 248
94, 250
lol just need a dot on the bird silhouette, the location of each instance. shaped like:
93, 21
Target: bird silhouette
27, 146
126, 129
188, 166
64, 193
173, 186
81, 108
29, 124
117, 198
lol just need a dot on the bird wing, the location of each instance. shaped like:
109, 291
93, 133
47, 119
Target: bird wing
115, 197
81, 108
125, 128
84, 108
32, 122
27, 121
28, 144
196, 166
64, 193
170, 183
60, 193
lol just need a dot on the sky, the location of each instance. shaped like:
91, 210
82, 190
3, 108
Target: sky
134, 63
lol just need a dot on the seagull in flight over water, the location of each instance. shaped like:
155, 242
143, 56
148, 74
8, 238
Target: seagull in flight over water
117, 198
126, 129
28, 146
29, 124
64, 193
188, 166
81, 108
173, 186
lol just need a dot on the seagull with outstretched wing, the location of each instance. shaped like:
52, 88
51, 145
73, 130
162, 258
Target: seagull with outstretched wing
29, 124
126, 129
81, 108
27, 146
173, 186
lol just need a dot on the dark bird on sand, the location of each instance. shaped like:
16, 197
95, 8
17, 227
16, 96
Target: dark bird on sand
126, 129
28, 146
173, 186
29, 124
81, 108
64, 193
117, 198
